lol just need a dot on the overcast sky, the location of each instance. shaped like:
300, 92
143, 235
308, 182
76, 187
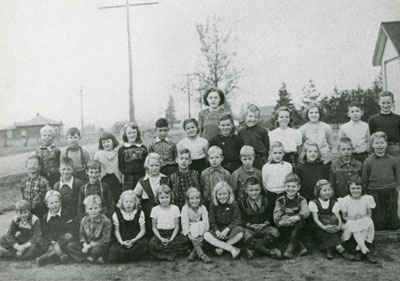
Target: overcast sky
50, 49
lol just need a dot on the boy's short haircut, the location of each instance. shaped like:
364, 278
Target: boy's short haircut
93, 164
73, 131
214, 149
92, 199
66, 161
185, 151
377, 135
190, 120
226, 117
345, 140
52, 193
252, 181
292, 178
355, 104
276, 144
311, 106
47, 128
218, 91
162, 123
34, 157
386, 94
22, 205
253, 108
247, 150
164, 189
152, 155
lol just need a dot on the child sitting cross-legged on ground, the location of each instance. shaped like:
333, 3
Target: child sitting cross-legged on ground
259, 235
167, 242
290, 212
94, 233
225, 230
129, 230
356, 211
325, 212
59, 228
23, 235
195, 223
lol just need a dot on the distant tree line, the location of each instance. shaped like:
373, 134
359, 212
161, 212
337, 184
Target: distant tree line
334, 105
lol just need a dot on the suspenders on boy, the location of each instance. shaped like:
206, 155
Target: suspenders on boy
83, 162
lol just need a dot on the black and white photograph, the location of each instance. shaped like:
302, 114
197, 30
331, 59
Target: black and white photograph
200, 140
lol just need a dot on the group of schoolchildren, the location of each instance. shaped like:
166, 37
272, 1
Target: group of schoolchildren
246, 194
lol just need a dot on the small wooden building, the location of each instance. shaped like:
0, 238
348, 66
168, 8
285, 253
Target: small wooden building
30, 129
387, 56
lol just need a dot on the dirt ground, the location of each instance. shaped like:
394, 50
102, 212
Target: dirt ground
314, 267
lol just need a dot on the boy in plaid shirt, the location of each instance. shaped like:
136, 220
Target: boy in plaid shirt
165, 147
49, 154
34, 187
184, 178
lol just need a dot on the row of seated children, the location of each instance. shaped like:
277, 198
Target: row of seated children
224, 226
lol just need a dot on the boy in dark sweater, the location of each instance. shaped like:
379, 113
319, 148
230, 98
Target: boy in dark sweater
344, 169
256, 136
259, 235
380, 176
58, 230
229, 143
95, 186
290, 212
388, 122
69, 187
23, 236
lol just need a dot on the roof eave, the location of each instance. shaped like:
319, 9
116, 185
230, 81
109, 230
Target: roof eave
379, 47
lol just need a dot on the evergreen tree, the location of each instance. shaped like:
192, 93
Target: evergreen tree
310, 94
285, 98
170, 112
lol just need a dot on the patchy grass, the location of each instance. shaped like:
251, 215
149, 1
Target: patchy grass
10, 191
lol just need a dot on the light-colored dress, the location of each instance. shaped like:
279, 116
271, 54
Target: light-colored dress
320, 133
355, 207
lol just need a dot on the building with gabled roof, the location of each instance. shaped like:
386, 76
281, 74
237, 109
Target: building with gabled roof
387, 56
30, 129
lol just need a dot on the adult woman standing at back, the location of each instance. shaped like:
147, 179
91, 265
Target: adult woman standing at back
214, 98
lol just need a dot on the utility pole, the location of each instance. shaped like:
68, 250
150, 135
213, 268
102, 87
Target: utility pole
82, 111
188, 75
188, 91
131, 100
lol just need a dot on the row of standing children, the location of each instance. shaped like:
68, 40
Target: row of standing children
133, 152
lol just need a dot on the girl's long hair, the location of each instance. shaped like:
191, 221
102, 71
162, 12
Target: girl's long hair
220, 186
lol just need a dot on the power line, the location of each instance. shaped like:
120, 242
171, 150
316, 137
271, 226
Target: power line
127, 5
